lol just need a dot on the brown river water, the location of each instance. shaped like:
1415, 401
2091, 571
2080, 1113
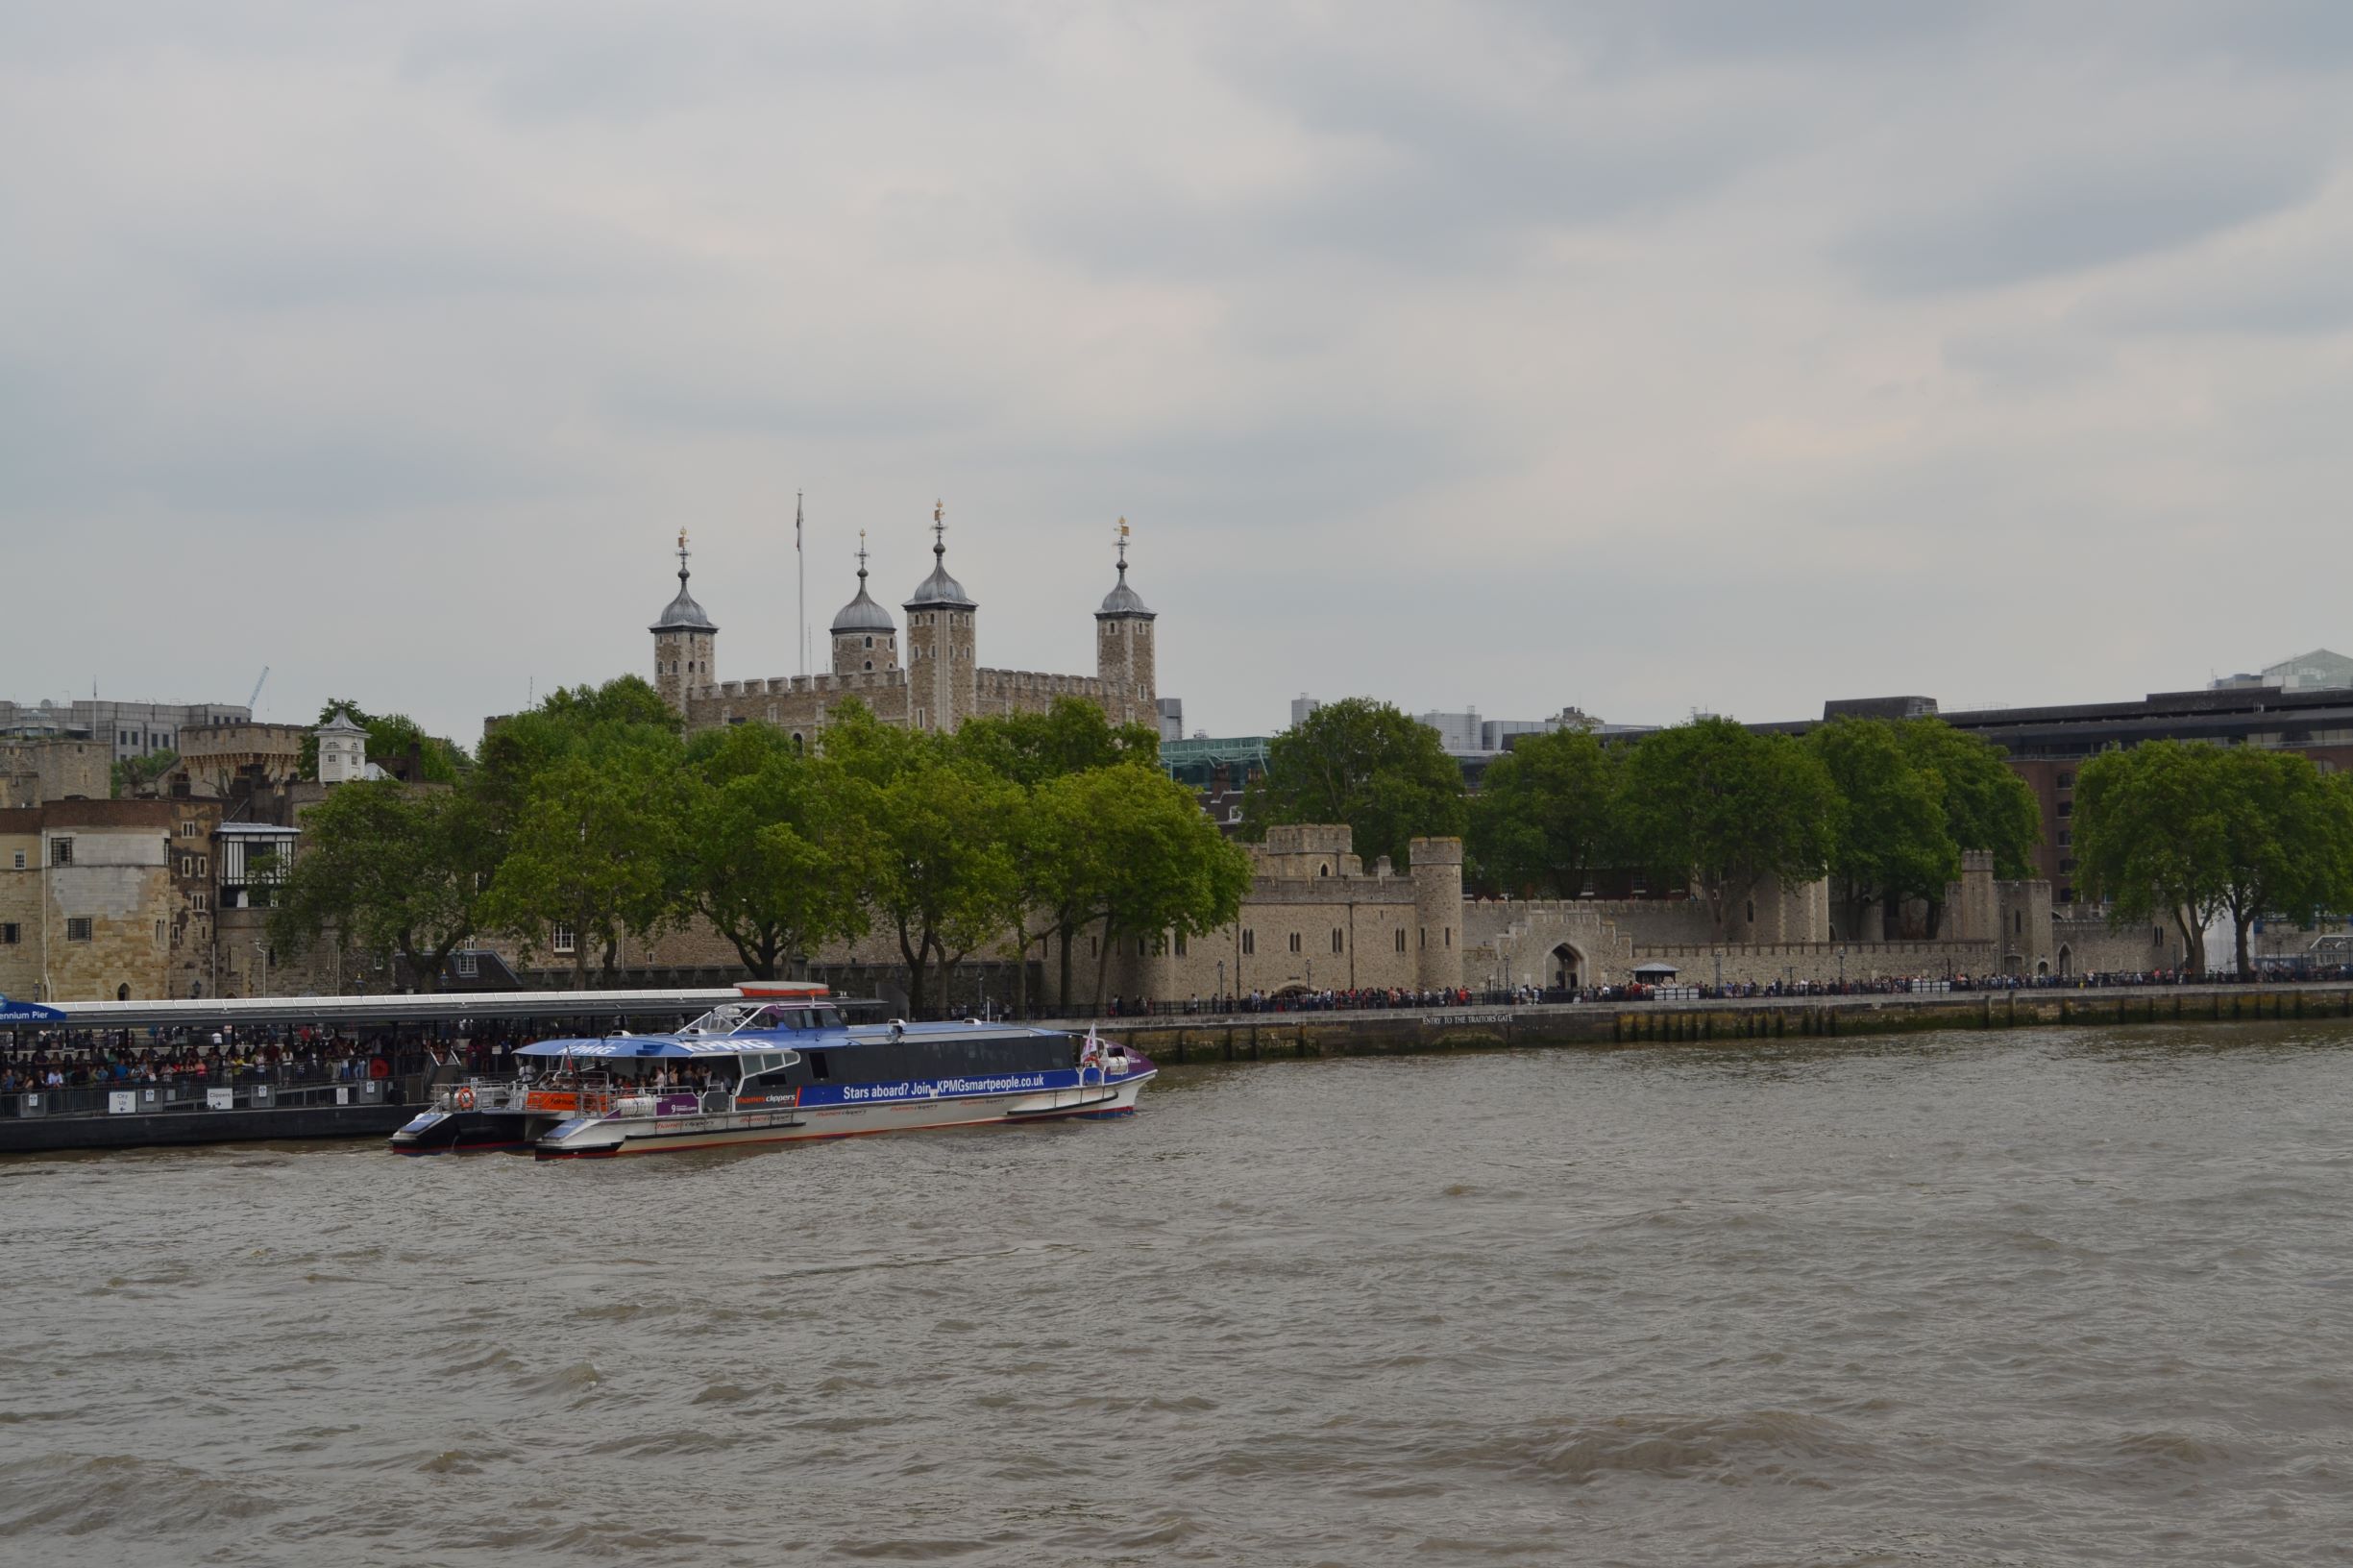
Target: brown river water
2041, 1297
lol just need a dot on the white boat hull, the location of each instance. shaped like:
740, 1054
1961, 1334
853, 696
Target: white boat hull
605, 1136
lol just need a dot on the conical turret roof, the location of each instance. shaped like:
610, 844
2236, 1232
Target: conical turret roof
682, 613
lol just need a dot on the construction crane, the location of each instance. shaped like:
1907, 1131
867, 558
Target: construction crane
258, 685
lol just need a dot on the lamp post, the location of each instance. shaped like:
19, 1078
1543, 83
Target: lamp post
1221, 985
265, 967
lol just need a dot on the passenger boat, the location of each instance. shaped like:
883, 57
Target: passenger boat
778, 1065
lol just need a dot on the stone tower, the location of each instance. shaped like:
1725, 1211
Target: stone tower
1438, 910
940, 669
682, 644
1123, 650
865, 637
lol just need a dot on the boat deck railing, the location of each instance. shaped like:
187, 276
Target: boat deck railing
196, 1097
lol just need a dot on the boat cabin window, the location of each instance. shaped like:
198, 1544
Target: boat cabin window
817, 1068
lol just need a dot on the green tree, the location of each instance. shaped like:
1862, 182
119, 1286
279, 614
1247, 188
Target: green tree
1547, 815
1986, 805
1072, 736
1895, 842
946, 868
1059, 887
773, 852
132, 774
624, 699
1722, 805
2287, 847
389, 869
1164, 869
1365, 764
945, 879
590, 843
2152, 837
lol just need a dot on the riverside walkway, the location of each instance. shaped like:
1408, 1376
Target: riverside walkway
1389, 1032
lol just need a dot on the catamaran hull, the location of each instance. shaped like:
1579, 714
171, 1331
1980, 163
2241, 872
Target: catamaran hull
607, 1137
466, 1132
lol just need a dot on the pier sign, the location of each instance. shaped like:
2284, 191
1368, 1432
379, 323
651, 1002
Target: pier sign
28, 1012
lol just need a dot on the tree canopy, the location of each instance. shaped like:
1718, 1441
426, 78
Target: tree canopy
1548, 815
1365, 764
1895, 840
387, 867
1726, 807
2190, 832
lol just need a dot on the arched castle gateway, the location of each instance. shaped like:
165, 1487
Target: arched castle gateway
941, 682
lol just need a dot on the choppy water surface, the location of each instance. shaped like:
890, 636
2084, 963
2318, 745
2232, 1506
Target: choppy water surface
2039, 1298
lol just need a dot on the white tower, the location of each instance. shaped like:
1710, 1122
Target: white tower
343, 751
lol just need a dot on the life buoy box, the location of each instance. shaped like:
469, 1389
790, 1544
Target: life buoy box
465, 1100
379, 1067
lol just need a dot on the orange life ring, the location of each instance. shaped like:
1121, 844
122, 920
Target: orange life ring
465, 1100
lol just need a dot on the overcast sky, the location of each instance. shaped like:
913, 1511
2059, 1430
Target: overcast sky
1643, 356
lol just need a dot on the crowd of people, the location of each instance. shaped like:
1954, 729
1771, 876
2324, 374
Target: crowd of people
1303, 1000
285, 1055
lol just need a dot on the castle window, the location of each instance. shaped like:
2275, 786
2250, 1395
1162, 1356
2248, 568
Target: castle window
1751, 911
562, 939
1180, 945
1337, 941
12, 934
1091, 945
870, 641
1323, 869
61, 851
1400, 939
78, 928
1250, 941
869, 663
200, 901
2018, 922
1450, 936
1143, 947
1294, 941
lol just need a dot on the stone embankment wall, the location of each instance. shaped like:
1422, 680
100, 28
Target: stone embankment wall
1818, 963
1251, 1037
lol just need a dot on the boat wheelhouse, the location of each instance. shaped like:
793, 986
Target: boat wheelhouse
778, 1065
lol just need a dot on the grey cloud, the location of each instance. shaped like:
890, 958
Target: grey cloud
2064, 219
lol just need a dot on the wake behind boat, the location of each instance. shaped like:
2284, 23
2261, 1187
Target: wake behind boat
779, 1065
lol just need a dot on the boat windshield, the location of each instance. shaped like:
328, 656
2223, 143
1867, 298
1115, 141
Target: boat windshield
740, 1018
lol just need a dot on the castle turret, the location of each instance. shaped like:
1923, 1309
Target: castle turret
1123, 649
940, 667
683, 639
1438, 910
865, 637
343, 751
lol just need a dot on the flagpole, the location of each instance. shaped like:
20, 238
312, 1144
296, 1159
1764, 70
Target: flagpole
800, 564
